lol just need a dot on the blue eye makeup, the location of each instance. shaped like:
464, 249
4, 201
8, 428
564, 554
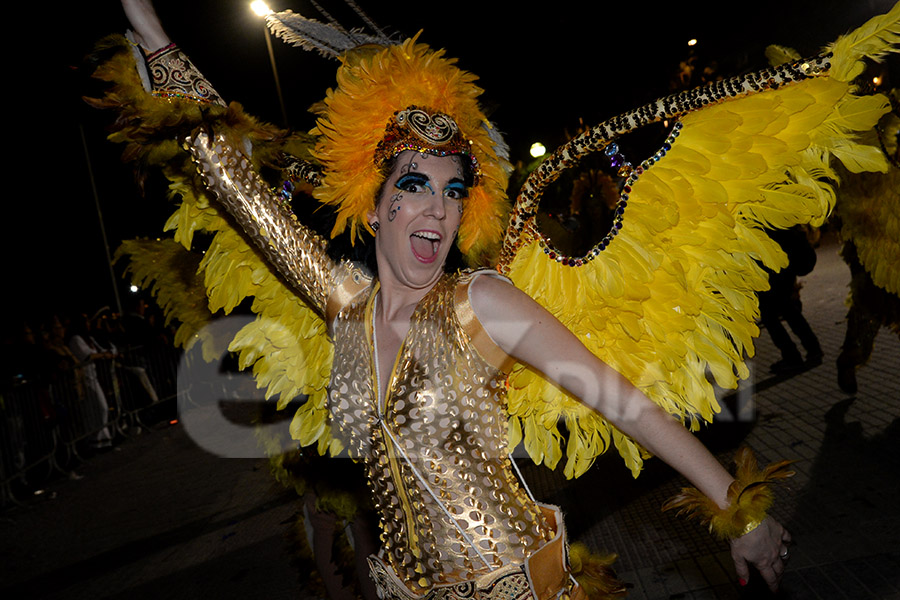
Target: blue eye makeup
456, 190
418, 183
414, 182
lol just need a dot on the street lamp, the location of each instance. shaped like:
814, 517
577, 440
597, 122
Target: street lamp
262, 9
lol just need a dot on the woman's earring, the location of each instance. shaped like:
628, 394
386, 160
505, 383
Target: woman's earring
375, 226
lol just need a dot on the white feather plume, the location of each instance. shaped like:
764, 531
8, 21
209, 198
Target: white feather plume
330, 41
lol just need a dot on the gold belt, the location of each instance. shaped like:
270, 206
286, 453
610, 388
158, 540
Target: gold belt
544, 575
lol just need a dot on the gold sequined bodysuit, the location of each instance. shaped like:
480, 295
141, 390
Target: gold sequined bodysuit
435, 447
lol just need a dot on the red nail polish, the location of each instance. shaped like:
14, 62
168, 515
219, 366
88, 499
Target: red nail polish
742, 581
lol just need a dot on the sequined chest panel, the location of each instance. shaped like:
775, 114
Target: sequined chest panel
436, 451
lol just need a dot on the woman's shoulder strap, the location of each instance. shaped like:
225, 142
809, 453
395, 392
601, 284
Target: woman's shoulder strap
489, 351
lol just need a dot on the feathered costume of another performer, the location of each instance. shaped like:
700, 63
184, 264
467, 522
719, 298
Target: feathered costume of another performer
666, 297
868, 211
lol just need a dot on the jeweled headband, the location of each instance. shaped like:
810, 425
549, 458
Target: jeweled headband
427, 131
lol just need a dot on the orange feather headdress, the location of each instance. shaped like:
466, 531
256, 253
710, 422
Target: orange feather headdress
373, 84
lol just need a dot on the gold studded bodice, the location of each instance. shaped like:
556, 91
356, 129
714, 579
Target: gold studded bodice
435, 447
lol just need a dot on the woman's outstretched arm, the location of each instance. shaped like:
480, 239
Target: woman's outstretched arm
526, 331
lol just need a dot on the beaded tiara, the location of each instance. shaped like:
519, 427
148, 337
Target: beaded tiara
426, 131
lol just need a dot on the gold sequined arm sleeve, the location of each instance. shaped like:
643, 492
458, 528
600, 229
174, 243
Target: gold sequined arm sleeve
297, 253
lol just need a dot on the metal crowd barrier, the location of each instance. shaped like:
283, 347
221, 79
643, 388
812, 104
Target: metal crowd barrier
29, 437
43, 429
147, 378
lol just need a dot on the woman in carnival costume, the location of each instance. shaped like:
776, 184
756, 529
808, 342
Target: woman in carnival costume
431, 375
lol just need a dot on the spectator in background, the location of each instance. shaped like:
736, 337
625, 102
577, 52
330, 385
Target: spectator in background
143, 341
782, 301
88, 352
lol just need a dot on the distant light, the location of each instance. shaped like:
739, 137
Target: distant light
537, 150
134, 289
173, 422
692, 42
260, 8
876, 80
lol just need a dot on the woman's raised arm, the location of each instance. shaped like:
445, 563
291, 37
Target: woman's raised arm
148, 30
297, 253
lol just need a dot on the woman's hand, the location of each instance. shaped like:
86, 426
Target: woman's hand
147, 28
766, 548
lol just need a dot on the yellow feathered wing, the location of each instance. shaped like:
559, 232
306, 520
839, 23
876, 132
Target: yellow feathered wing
286, 345
673, 297
170, 273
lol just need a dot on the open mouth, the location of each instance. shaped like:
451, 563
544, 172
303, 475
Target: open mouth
425, 245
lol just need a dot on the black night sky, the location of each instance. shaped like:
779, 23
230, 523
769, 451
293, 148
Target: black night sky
543, 67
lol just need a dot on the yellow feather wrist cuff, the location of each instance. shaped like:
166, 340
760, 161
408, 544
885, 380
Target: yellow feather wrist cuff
749, 498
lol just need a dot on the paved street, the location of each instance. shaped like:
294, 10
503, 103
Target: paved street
162, 518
